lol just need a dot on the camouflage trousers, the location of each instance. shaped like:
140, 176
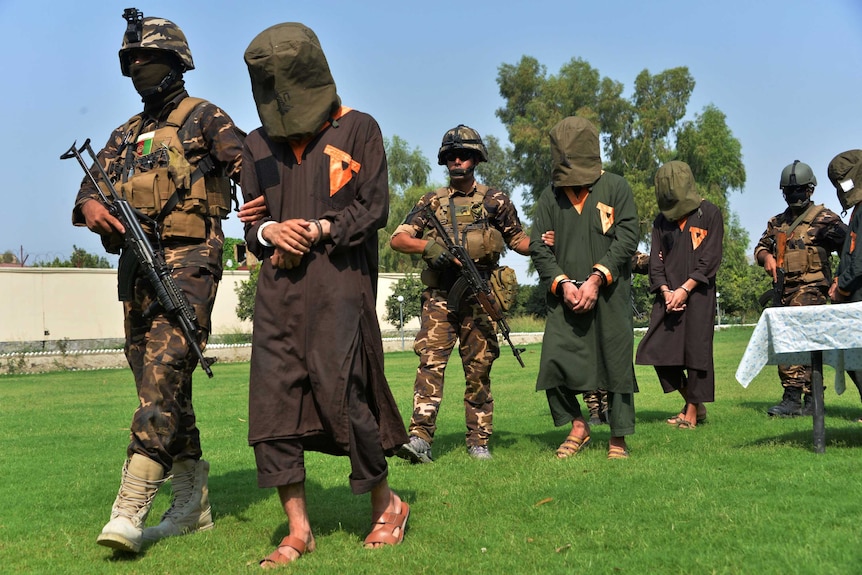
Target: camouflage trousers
800, 375
597, 402
164, 426
476, 335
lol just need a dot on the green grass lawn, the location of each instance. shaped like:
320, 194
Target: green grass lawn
743, 493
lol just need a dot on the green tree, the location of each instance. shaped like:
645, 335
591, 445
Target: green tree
408, 181
8, 257
636, 131
410, 288
80, 258
639, 134
245, 292
498, 171
229, 255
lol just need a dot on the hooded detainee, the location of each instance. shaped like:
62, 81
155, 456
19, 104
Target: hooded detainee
685, 254
317, 380
589, 325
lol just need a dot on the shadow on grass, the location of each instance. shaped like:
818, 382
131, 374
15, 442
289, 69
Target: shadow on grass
234, 492
836, 438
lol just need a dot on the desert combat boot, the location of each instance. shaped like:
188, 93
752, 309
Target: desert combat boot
141, 480
190, 506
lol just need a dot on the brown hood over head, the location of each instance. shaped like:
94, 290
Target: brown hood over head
675, 191
845, 173
291, 82
575, 152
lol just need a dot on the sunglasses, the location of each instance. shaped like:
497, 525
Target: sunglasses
462, 155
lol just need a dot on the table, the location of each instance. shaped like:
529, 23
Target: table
807, 335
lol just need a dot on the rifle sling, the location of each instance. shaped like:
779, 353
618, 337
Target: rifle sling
806, 216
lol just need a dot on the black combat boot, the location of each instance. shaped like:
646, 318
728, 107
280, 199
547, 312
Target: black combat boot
791, 404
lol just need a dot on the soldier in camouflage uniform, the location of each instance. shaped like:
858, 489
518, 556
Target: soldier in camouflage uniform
487, 221
799, 241
182, 150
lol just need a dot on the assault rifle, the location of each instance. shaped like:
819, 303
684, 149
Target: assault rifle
780, 251
168, 295
472, 280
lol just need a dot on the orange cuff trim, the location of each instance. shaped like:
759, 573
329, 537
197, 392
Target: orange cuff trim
608, 277
844, 293
556, 283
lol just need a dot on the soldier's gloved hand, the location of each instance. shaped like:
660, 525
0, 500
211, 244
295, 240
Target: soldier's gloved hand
437, 256
179, 170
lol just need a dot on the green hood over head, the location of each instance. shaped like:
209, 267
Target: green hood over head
291, 82
575, 152
845, 173
675, 191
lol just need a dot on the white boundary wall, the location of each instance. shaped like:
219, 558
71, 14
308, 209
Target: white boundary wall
53, 304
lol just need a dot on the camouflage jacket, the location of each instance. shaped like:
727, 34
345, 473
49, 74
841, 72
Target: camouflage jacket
824, 235
502, 216
207, 131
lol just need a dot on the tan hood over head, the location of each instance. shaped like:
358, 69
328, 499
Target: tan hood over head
575, 153
675, 191
291, 82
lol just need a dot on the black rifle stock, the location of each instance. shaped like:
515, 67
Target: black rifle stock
478, 286
169, 296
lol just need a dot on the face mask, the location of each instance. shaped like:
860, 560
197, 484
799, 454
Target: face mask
149, 76
796, 197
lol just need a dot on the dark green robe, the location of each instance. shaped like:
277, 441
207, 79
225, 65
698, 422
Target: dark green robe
592, 350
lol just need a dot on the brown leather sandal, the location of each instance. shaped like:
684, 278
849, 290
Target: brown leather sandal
617, 452
389, 528
277, 558
572, 446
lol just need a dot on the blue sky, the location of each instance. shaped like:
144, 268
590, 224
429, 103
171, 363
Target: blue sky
785, 72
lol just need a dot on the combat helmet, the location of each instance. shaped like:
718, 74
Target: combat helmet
153, 34
797, 174
462, 137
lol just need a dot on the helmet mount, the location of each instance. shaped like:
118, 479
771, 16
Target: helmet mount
134, 25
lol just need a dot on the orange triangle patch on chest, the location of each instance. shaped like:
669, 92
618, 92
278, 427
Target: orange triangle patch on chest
341, 168
606, 216
697, 236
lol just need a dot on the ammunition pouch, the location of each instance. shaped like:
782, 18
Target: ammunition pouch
466, 219
806, 265
167, 188
484, 245
504, 284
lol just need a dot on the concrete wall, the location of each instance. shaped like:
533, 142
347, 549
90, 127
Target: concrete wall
54, 304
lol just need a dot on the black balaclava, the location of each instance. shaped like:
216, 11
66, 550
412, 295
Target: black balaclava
158, 81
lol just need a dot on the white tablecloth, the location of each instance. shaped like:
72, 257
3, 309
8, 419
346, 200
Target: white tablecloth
788, 335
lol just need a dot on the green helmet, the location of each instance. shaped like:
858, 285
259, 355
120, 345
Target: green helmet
797, 174
153, 34
462, 137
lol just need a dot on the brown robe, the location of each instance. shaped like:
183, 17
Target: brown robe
315, 326
684, 339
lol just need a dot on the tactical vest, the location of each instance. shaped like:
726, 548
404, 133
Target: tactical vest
804, 262
484, 243
158, 180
